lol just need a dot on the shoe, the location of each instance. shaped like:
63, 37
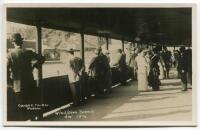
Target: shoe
184, 89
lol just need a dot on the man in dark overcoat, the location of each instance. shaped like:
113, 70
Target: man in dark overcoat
99, 69
20, 67
120, 63
183, 66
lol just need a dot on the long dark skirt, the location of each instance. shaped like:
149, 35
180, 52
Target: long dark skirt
153, 79
189, 77
184, 80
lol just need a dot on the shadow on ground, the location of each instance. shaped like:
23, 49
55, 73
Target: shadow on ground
98, 109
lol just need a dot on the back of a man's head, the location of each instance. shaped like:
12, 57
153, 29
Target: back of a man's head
182, 49
17, 39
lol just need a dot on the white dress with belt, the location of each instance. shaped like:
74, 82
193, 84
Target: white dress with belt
142, 72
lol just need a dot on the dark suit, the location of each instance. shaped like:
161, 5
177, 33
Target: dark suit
183, 66
120, 63
166, 55
99, 67
189, 62
132, 64
19, 73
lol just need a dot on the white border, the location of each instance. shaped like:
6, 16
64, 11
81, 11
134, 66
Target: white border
110, 123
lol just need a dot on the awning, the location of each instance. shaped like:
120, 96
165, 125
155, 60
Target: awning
169, 26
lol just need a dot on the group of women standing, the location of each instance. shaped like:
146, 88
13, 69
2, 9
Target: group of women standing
147, 69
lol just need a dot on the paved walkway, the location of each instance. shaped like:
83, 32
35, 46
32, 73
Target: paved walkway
126, 104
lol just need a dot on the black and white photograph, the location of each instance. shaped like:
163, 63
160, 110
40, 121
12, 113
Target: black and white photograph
112, 65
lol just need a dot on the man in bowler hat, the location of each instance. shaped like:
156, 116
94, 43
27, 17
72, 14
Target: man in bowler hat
19, 73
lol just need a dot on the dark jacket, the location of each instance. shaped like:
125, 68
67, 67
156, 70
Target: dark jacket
189, 60
99, 65
183, 62
120, 61
20, 64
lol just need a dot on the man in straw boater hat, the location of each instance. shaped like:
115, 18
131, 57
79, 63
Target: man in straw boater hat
76, 73
20, 77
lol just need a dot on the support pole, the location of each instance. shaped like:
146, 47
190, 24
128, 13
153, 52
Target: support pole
39, 51
107, 43
123, 44
82, 36
82, 47
39, 71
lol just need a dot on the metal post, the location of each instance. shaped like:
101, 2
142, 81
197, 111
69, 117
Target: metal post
123, 44
39, 51
39, 71
107, 43
82, 47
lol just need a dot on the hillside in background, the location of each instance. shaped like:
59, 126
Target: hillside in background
52, 38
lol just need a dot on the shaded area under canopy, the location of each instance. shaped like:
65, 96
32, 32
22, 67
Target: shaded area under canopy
169, 26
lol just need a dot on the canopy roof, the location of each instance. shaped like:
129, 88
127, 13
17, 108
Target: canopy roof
169, 26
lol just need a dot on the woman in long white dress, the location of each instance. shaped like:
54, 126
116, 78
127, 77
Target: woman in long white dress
161, 65
142, 71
